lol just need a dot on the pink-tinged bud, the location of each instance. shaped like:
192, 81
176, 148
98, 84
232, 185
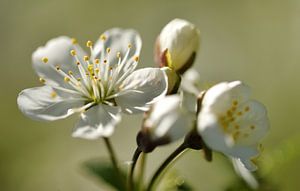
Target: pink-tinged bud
177, 44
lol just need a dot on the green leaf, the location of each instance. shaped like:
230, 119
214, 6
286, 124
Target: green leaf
104, 170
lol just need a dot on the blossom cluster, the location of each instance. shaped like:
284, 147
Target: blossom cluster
101, 85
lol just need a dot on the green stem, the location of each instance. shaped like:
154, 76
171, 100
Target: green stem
113, 157
135, 157
160, 171
141, 171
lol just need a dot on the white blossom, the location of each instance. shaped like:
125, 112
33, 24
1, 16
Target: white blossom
98, 87
171, 118
232, 123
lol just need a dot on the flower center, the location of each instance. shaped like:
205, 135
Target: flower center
98, 80
232, 124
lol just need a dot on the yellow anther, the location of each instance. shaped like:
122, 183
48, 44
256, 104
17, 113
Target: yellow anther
89, 43
77, 63
229, 113
78, 79
118, 54
136, 58
95, 78
74, 41
73, 52
105, 61
97, 70
247, 108
110, 68
67, 79
97, 61
86, 58
57, 67
45, 60
236, 126
42, 80
129, 45
53, 94
252, 127
90, 67
239, 113
70, 72
108, 50
232, 119
103, 37
235, 102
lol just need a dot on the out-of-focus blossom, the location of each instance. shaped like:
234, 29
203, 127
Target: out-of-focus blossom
232, 123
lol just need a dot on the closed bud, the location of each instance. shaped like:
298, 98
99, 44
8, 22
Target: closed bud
177, 44
168, 120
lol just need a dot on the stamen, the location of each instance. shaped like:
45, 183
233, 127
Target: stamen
73, 52
57, 67
53, 94
108, 50
235, 102
89, 43
97, 61
45, 60
247, 109
70, 73
86, 58
74, 41
42, 80
103, 37
118, 54
67, 79
136, 58
129, 45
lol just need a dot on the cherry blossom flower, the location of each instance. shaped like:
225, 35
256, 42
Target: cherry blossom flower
98, 87
232, 123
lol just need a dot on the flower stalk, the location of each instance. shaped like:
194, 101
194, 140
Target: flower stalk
162, 168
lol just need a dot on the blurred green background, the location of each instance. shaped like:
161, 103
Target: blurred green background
257, 41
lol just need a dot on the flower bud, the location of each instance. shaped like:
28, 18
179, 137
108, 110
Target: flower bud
169, 119
177, 44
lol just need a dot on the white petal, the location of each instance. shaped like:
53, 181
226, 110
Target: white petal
244, 173
163, 107
211, 132
257, 118
57, 51
244, 154
219, 97
169, 119
142, 87
118, 40
42, 103
98, 121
